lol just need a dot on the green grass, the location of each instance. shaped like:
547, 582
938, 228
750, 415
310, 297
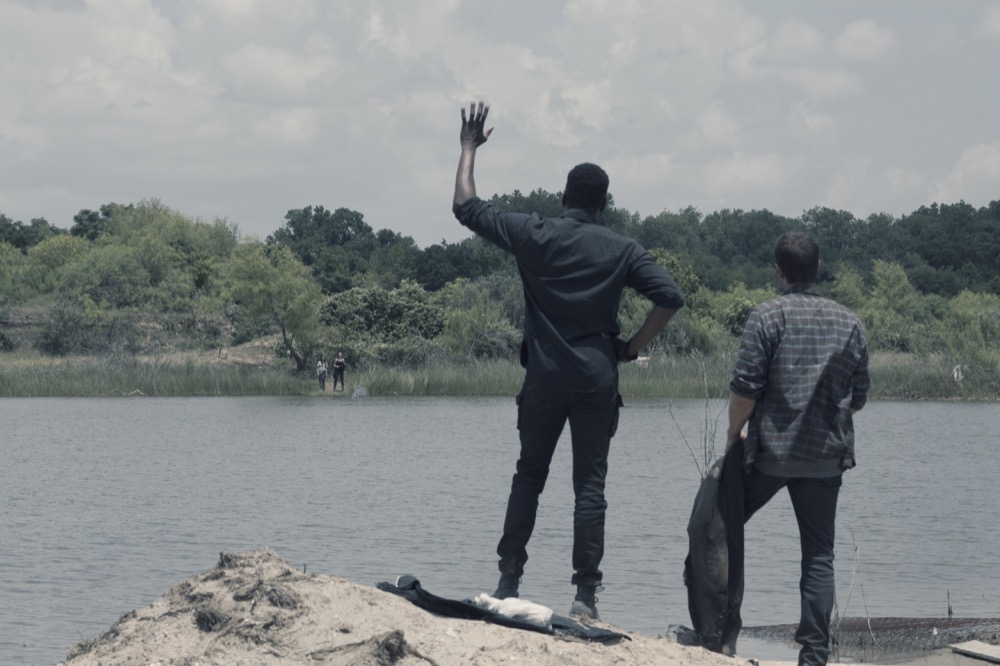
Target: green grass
911, 377
894, 377
130, 376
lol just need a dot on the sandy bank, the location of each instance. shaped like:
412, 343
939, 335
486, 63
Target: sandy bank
255, 608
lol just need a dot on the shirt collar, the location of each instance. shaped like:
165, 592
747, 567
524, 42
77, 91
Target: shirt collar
808, 288
581, 215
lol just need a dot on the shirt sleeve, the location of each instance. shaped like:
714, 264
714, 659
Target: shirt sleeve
861, 380
652, 281
753, 361
501, 229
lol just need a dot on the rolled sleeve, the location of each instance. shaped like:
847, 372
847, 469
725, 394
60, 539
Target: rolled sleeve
501, 229
752, 364
652, 281
861, 380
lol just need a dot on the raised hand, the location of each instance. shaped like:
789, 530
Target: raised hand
473, 134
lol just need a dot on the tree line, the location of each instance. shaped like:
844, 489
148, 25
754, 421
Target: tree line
128, 277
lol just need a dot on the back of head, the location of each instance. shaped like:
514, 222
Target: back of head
586, 188
797, 255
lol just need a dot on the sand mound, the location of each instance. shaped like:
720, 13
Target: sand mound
254, 608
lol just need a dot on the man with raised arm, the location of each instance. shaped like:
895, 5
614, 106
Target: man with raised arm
800, 376
573, 270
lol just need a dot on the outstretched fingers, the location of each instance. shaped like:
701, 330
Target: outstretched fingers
474, 123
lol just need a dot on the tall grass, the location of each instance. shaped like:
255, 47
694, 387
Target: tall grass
493, 377
132, 376
894, 377
931, 377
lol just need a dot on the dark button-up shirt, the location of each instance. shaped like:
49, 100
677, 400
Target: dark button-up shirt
804, 359
573, 270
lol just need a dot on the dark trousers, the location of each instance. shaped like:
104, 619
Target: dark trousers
815, 505
322, 381
542, 413
338, 375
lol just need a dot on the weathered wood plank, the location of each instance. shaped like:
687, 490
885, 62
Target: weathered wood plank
979, 650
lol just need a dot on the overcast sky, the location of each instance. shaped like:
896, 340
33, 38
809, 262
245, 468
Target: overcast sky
244, 109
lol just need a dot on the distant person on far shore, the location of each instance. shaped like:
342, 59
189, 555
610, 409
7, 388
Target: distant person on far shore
321, 371
800, 376
339, 365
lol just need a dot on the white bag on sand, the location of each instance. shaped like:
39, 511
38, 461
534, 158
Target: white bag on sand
517, 609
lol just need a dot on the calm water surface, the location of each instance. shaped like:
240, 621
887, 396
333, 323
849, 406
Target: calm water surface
107, 503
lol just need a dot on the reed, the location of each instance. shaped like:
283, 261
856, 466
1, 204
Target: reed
86, 376
492, 377
930, 377
894, 377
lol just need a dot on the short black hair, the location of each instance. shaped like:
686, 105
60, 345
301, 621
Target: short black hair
586, 187
797, 255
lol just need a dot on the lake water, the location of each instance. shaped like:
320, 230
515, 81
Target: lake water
107, 503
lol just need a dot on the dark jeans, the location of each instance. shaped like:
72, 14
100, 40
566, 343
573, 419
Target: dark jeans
542, 412
322, 381
815, 505
338, 375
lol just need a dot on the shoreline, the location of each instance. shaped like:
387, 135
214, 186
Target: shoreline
891, 639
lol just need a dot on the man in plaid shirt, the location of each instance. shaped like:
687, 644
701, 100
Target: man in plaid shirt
801, 375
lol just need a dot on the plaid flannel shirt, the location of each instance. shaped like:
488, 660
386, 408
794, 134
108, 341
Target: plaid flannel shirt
804, 360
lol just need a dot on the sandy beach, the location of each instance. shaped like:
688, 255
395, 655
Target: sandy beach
255, 608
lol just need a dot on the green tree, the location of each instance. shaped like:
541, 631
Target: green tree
269, 281
545, 204
892, 314
676, 232
12, 266
475, 322
395, 259
90, 225
48, 259
836, 231
110, 276
336, 245
23, 236
848, 288
971, 329
374, 314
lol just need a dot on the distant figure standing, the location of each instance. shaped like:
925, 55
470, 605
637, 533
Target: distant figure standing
321, 371
800, 376
339, 364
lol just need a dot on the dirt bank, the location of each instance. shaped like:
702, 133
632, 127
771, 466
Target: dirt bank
255, 608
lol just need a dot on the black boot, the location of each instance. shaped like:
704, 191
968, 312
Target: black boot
507, 587
585, 604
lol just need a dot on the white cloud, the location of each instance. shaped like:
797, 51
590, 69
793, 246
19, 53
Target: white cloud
746, 65
903, 182
716, 125
632, 176
863, 41
990, 24
741, 173
846, 188
974, 177
813, 121
272, 71
796, 41
296, 126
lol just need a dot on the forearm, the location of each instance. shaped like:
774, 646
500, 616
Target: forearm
465, 182
740, 410
656, 320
